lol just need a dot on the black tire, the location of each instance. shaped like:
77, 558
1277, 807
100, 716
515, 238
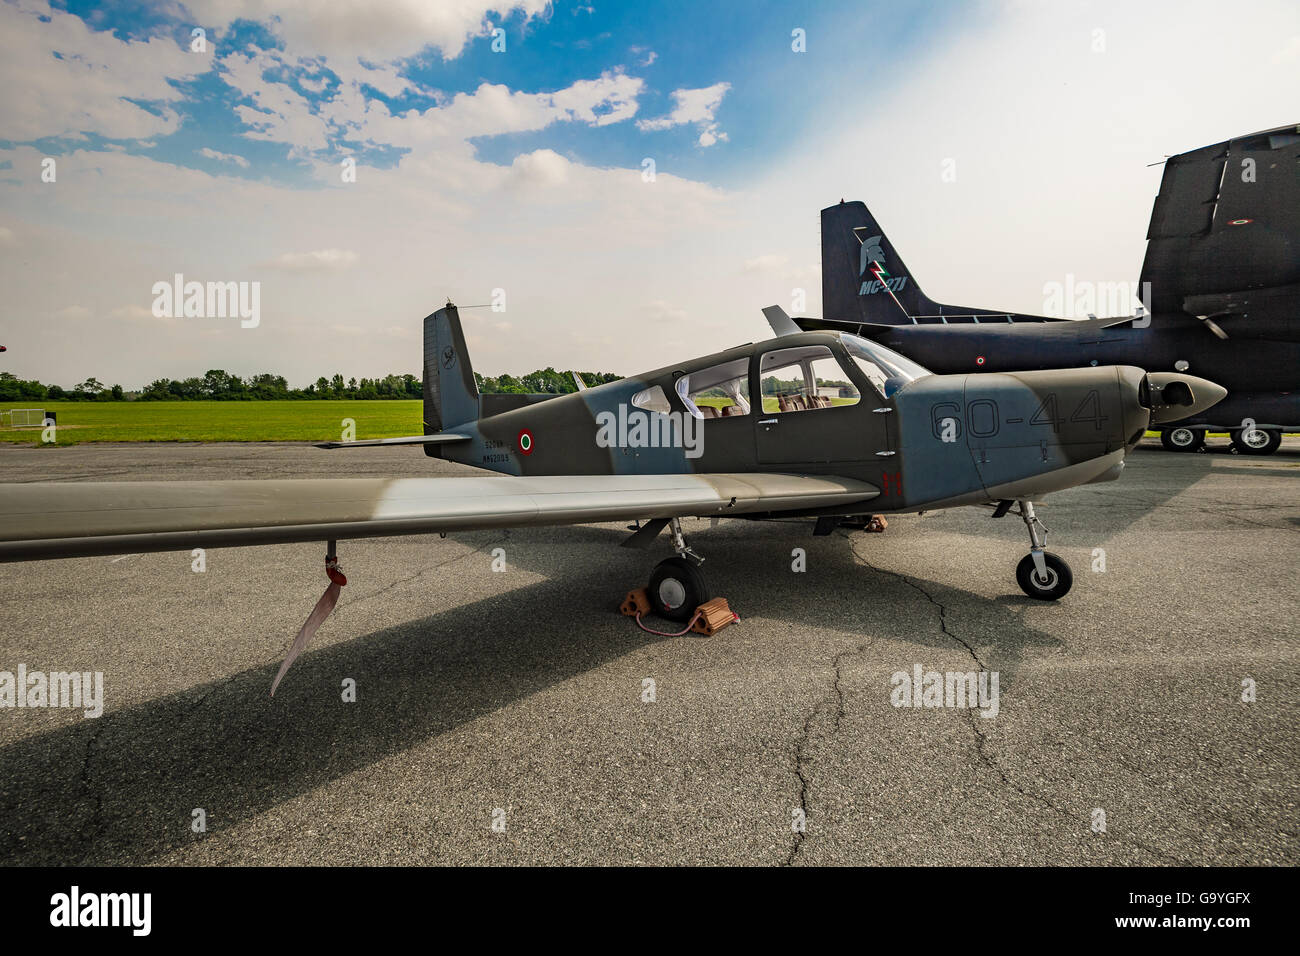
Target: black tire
1262, 441
1058, 581
676, 589
1182, 439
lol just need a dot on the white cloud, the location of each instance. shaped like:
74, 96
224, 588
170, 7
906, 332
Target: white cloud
223, 157
380, 31
63, 78
314, 84
318, 260
693, 106
280, 113
542, 167
490, 110
576, 248
710, 135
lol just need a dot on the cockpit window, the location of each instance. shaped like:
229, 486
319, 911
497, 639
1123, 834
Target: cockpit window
721, 391
652, 399
885, 369
802, 379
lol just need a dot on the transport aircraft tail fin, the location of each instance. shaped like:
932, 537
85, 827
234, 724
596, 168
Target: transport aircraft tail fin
866, 281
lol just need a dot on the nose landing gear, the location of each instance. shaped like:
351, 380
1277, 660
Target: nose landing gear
1041, 574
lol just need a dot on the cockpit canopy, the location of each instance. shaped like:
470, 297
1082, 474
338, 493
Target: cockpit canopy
884, 368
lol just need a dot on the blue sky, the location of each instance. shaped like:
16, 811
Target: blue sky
855, 51
522, 171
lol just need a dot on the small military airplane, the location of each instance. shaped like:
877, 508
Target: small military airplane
1222, 267
826, 425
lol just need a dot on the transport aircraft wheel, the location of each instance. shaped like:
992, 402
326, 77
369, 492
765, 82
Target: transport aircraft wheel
1257, 441
676, 589
1058, 579
1182, 439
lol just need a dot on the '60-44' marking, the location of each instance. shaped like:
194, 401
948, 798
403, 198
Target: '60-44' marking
982, 419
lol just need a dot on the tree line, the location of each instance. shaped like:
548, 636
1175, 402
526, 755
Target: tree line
219, 385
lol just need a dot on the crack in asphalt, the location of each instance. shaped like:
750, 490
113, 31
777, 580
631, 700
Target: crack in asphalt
800, 759
94, 820
981, 741
412, 577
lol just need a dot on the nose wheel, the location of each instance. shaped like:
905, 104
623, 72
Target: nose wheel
1041, 574
1049, 584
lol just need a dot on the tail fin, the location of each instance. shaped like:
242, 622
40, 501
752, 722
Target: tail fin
864, 279
450, 392
866, 282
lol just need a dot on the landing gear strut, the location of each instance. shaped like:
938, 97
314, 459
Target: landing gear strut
677, 587
1040, 574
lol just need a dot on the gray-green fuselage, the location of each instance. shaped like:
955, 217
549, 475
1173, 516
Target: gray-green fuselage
935, 441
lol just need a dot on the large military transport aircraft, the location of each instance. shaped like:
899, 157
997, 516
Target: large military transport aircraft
1223, 267
826, 425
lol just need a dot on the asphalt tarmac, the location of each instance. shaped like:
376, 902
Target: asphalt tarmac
520, 696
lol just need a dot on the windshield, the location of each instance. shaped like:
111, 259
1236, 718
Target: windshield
884, 368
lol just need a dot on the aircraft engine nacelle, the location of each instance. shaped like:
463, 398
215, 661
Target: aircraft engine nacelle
1020, 434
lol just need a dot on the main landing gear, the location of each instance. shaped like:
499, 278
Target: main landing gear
1256, 441
1041, 574
1245, 441
1182, 439
677, 586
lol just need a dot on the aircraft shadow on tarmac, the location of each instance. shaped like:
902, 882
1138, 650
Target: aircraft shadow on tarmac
1105, 510
120, 789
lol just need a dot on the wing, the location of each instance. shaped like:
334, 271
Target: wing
74, 519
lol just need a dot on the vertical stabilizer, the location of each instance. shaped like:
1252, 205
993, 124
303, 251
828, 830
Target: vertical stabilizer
450, 392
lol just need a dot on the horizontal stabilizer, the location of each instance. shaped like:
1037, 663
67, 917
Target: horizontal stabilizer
438, 439
781, 323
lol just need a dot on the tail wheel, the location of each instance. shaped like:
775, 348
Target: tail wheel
1182, 439
676, 589
1257, 441
1054, 585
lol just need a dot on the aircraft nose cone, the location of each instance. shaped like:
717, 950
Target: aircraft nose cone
1175, 395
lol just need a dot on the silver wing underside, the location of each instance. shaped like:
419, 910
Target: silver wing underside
76, 519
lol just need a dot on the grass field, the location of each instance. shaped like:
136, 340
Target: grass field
222, 421
237, 421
